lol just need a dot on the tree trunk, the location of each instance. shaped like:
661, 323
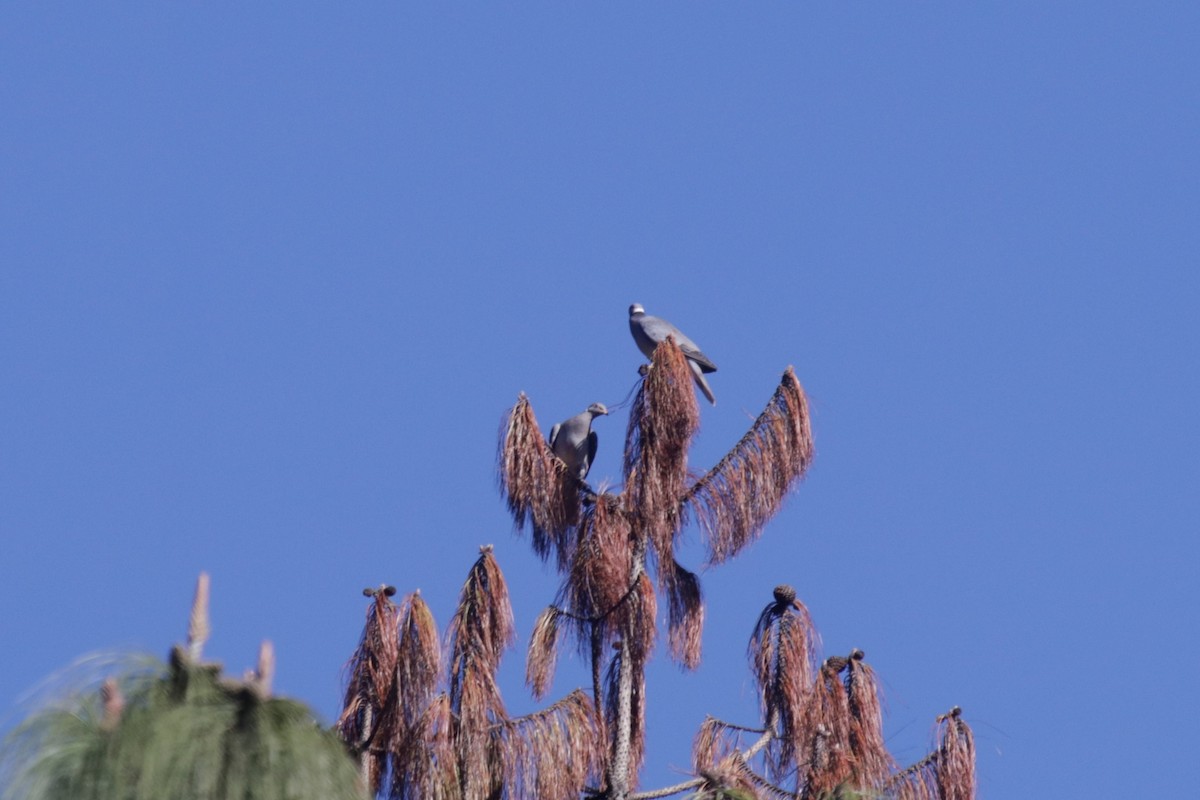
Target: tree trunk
618, 775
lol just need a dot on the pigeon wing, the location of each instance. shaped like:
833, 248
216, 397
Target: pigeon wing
593, 442
657, 330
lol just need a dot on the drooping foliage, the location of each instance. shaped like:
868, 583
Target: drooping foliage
948, 772
661, 425
369, 713
461, 743
537, 486
823, 735
685, 616
873, 764
822, 721
736, 498
821, 732
782, 651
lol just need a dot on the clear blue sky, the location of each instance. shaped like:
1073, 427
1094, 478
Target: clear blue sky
271, 274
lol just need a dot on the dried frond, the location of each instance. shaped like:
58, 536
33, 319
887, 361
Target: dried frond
474, 729
474, 694
423, 762
918, 782
636, 620
947, 773
769, 791
368, 719
733, 779
543, 652
872, 761
483, 623
554, 751
418, 662
601, 571
705, 751
685, 615
825, 732
536, 486
782, 654
730, 779
735, 499
662, 422
479, 633
711, 745
955, 757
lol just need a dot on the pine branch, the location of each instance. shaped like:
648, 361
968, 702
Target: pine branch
662, 422
424, 762
667, 791
782, 655
536, 485
956, 757
947, 773
603, 572
552, 752
418, 661
825, 731
685, 616
369, 718
873, 762
543, 652
480, 631
736, 498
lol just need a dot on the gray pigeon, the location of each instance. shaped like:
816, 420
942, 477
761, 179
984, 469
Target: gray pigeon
574, 441
648, 331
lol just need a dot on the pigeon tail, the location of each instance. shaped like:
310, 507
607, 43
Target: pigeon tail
698, 375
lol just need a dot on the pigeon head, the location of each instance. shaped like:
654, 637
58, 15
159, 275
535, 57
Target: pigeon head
597, 409
636, 308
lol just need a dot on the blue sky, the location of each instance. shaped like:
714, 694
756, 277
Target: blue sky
270, 277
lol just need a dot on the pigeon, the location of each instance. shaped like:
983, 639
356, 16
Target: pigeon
574, 441
648, 331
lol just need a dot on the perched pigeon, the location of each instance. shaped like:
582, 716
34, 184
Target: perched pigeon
648, 331
574, 441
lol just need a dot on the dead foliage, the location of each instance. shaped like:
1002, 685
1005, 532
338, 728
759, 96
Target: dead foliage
601, 573
424, 762
418, 662
824, 736
369, 718
955, 757
873, 764
662, 422
543, 652
736, 498
947, 773
782, 654
536, 486
551, 753
685, 616
716, 740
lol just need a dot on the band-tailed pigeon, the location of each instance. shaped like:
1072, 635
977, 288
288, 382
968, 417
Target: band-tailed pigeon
649, 331
574, 441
